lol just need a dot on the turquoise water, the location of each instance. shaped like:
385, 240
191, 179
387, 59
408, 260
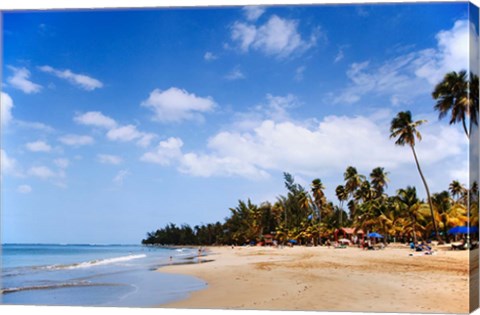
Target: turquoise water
93, 275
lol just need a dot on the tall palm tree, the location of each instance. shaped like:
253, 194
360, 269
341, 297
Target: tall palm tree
379, 180
353, 180
405, 131
319, 198
342, 196
456, 94
457, 190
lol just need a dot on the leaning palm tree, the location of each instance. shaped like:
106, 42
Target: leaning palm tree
405, 131
455, 94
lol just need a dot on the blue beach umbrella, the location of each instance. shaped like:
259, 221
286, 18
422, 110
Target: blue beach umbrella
463, 230
375, 234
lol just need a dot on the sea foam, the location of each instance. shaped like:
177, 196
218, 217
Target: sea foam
96, 262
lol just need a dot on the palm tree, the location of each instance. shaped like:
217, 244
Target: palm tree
353, 180
457, 190
365, 192
379, 180
408, 200
319, 198
455, 94
405, 131
342, 196
443, 204
450, 213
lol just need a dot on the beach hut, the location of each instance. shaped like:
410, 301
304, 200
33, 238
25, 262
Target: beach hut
350, 234
268, 239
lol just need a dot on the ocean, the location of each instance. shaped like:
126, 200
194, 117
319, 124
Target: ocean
93, 275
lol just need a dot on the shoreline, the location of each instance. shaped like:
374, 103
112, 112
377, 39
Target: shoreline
328, 279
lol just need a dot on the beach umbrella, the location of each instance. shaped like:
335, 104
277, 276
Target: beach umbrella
375, 234
463, 230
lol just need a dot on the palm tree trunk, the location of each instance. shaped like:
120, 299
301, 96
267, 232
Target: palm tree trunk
414, 231
428, 194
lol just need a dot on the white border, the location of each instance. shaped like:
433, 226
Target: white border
95, 4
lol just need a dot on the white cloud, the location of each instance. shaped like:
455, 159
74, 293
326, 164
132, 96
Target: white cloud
452, 52
277, 37
24, 189
42, 172
326, 148
145, 139
209, 56
169, 152
34, 125
235, 74
57, 178
245, 34
336, 142
20, 80
6, 105
166, 152
76, 140
128, 133
278, 106
96, 119
175, 105
123, 133
210, 165
83, 81
275, 108
120, 177
8, 165
252, 13
115, 132
62, 163
340, 55
38, 146
299, 73
109, 159
405, 77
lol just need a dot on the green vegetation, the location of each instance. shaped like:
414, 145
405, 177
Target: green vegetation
308, 217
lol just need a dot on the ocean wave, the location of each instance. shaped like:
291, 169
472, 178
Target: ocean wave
97, 262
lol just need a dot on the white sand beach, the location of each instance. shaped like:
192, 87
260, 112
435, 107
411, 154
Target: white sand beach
321, 278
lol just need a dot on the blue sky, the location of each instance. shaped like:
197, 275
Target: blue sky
117, 122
